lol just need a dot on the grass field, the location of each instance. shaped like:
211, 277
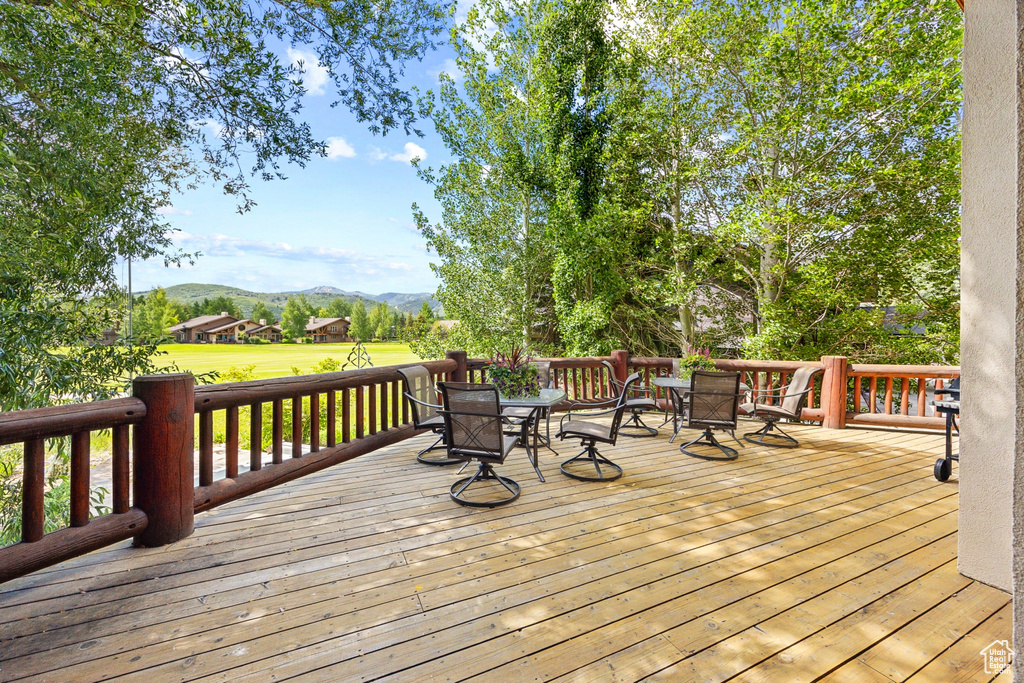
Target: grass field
273, 360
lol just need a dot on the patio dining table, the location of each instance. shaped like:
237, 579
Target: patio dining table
548, 398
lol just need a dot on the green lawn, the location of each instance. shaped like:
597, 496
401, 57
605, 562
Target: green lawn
274, 360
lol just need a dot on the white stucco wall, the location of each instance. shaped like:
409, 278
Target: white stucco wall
989, 292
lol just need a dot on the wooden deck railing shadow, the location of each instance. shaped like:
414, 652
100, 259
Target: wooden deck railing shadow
335, 417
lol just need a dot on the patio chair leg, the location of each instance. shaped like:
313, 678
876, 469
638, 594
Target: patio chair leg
771, 435
637, 423
708, 439
590, 453
483, 473
437, 445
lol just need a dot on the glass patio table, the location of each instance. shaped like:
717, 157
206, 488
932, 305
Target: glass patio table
548, 398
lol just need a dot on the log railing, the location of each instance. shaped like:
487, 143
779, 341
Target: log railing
299, 425
333, 418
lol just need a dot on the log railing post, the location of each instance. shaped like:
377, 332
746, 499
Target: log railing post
459, 373
620, 361
163, 457
833, 391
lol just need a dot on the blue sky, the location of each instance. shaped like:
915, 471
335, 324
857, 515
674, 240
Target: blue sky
343, 221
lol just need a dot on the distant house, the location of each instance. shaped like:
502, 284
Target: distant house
271, 332
196, 330
328, 330
230, 332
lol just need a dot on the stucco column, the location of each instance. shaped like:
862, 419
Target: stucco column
991, 343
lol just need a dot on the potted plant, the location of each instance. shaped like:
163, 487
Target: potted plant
695, 359
513, 374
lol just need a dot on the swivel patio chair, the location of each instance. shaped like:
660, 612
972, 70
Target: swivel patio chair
591, 433
419, 390
518, 416
475, 430
790, 401
638, 401
713, 403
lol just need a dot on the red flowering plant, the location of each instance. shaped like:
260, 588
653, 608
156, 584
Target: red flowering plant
513, 374
695, 359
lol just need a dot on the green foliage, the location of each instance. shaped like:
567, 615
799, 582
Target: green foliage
153, 314
235, 373
512, 373
338, 308
262, 312
215, 306
295, 317
360, 327
380, 321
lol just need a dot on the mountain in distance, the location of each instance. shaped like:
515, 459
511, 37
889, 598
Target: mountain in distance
318, 296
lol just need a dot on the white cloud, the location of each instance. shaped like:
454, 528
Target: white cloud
338, 148
412, 151
172, 211
314, 76
218, 245
214, 127
450, 68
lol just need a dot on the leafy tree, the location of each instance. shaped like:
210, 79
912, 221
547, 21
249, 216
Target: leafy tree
338, 308
297, 311
490, 239
262, 312
380, 321
153, 315
825, 166
359, 327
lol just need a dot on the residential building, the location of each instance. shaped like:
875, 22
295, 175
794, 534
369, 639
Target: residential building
196, 330
328, 330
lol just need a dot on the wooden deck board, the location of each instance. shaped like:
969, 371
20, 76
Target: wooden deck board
832, 561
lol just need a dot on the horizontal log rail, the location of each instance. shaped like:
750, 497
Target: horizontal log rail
330, 418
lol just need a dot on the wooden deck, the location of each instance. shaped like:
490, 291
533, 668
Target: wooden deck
835, 561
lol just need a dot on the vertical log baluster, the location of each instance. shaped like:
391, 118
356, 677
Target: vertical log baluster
756, 386
873, 395
297, 427
888, 395
80, 479
810, 394
205, 447
255, 437
405, 410
385, 417
372, 408
332, 418
33, 516
396, 405
231, 442
922, 396
314, 423
120, 468
278, 431
346, 415
904, 396
856, 394
359, 412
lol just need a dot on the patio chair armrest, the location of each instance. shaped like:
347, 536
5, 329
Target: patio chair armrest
587, 406
436, 406
761, 396
497, 416
569, 415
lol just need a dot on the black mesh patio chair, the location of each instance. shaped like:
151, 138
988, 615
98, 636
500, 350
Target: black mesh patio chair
419, 390
475, 430
591, 433
638, 401
518, 416
789, 402
713, 403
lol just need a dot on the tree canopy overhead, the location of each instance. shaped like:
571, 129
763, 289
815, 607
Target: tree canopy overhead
778, 178
107, 107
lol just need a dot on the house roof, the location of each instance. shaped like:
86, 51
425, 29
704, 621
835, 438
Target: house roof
199, 322
259, 328
317, 323
233, 323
